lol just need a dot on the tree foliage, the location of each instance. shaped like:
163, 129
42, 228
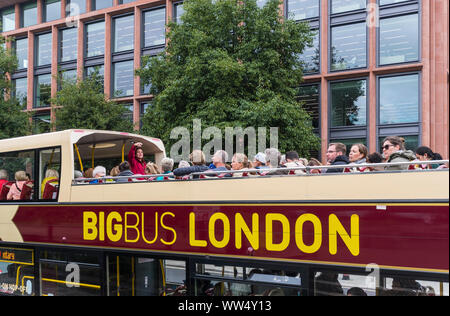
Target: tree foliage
13, 121
230, 64
82, 104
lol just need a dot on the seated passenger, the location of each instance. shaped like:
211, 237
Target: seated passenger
394, 151
198, 161
51, 176
219, 160
16, 188
240, 162
151, 168
136, 159
358, 155
166, 167
98, 172
336, 156
375, 158
293, 161
424, 153
3, 178
259, 161
124, 171
273, 159
314, 162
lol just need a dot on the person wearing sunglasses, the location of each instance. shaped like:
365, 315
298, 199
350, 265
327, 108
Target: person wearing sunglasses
394, 151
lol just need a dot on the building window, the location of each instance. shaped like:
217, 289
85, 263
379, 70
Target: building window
155, 27
101, 4
20, 91
123, 33
75, 7
311, 56
309, 95
29, 14
52, 10
386, 2
178, 12
95, 39
348, 103
340, 6
44, 49
348, 46
100, 70
399, 99
123, 81
68, 76
128, 114
399, 39
303, 9
8, 22
42, 90
68, 44
125, 1
21, 47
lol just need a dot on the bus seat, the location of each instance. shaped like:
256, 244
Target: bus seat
291, 172
27, 190
346, 170
50, 191
5, 190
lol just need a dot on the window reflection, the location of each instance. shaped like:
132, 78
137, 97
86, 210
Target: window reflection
123, 33
311, 56
155, 27
399, 99
348, 46
44, 49
303, 9
29, 14
42, 91
399, 39
124, 78
309, 95
69, 44
348, 103
338, 6
22, 53
52, 10
8, 21
95, 39
21, 91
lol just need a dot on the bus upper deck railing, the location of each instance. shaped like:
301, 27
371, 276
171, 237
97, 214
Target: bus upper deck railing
366, 168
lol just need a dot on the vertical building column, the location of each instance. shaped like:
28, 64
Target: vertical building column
426, 76
108, 28
17, 15
30, 72
324, 83
63, 8
372, 24
137, 64
88, 5
54, 70
40, 9
169, 11
80, 50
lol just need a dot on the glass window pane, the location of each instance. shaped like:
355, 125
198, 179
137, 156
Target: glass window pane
155, 27
100, 69
178, 12
20, 169
69, 44
261, 3
338, 6
41, 123
303, 9
338, 283
49, 173
69, 76
95, 39
348, 46
29, 14
309, 95
126, 1
123, 33
21, 90
42, 91
311, 56
348, 103
128, 114
22, 53
385, 2
399, 39
399, 99
123, 78
52, 10
44, 49
75, 7
102, 4
16, 264
8, 22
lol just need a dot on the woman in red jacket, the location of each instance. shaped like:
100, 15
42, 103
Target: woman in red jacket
136, 159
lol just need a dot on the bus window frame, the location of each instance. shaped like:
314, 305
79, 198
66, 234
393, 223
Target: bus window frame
35, 176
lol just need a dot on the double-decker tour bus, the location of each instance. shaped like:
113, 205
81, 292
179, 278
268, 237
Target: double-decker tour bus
355, 233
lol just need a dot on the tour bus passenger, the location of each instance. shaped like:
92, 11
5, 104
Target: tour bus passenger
3, 178
51, 176
259, 161
219, 160
336, 156
273, 161
292, 161
424, 153
88, 173
98, 172
166, 167
184, 164
394, 151
16, 188
114, 171
136, 159
124, 170
77, 174
375, 157
198, 160
240, 162
356, 291
358, 155
314, 162
152, 168
327, 284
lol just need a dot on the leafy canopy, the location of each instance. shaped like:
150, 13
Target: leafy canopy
82, 104
13, 121
230, 64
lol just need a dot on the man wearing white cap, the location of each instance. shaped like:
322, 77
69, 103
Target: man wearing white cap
259, 161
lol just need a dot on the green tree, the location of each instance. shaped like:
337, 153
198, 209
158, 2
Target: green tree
82, 104
230, 64
13, 121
